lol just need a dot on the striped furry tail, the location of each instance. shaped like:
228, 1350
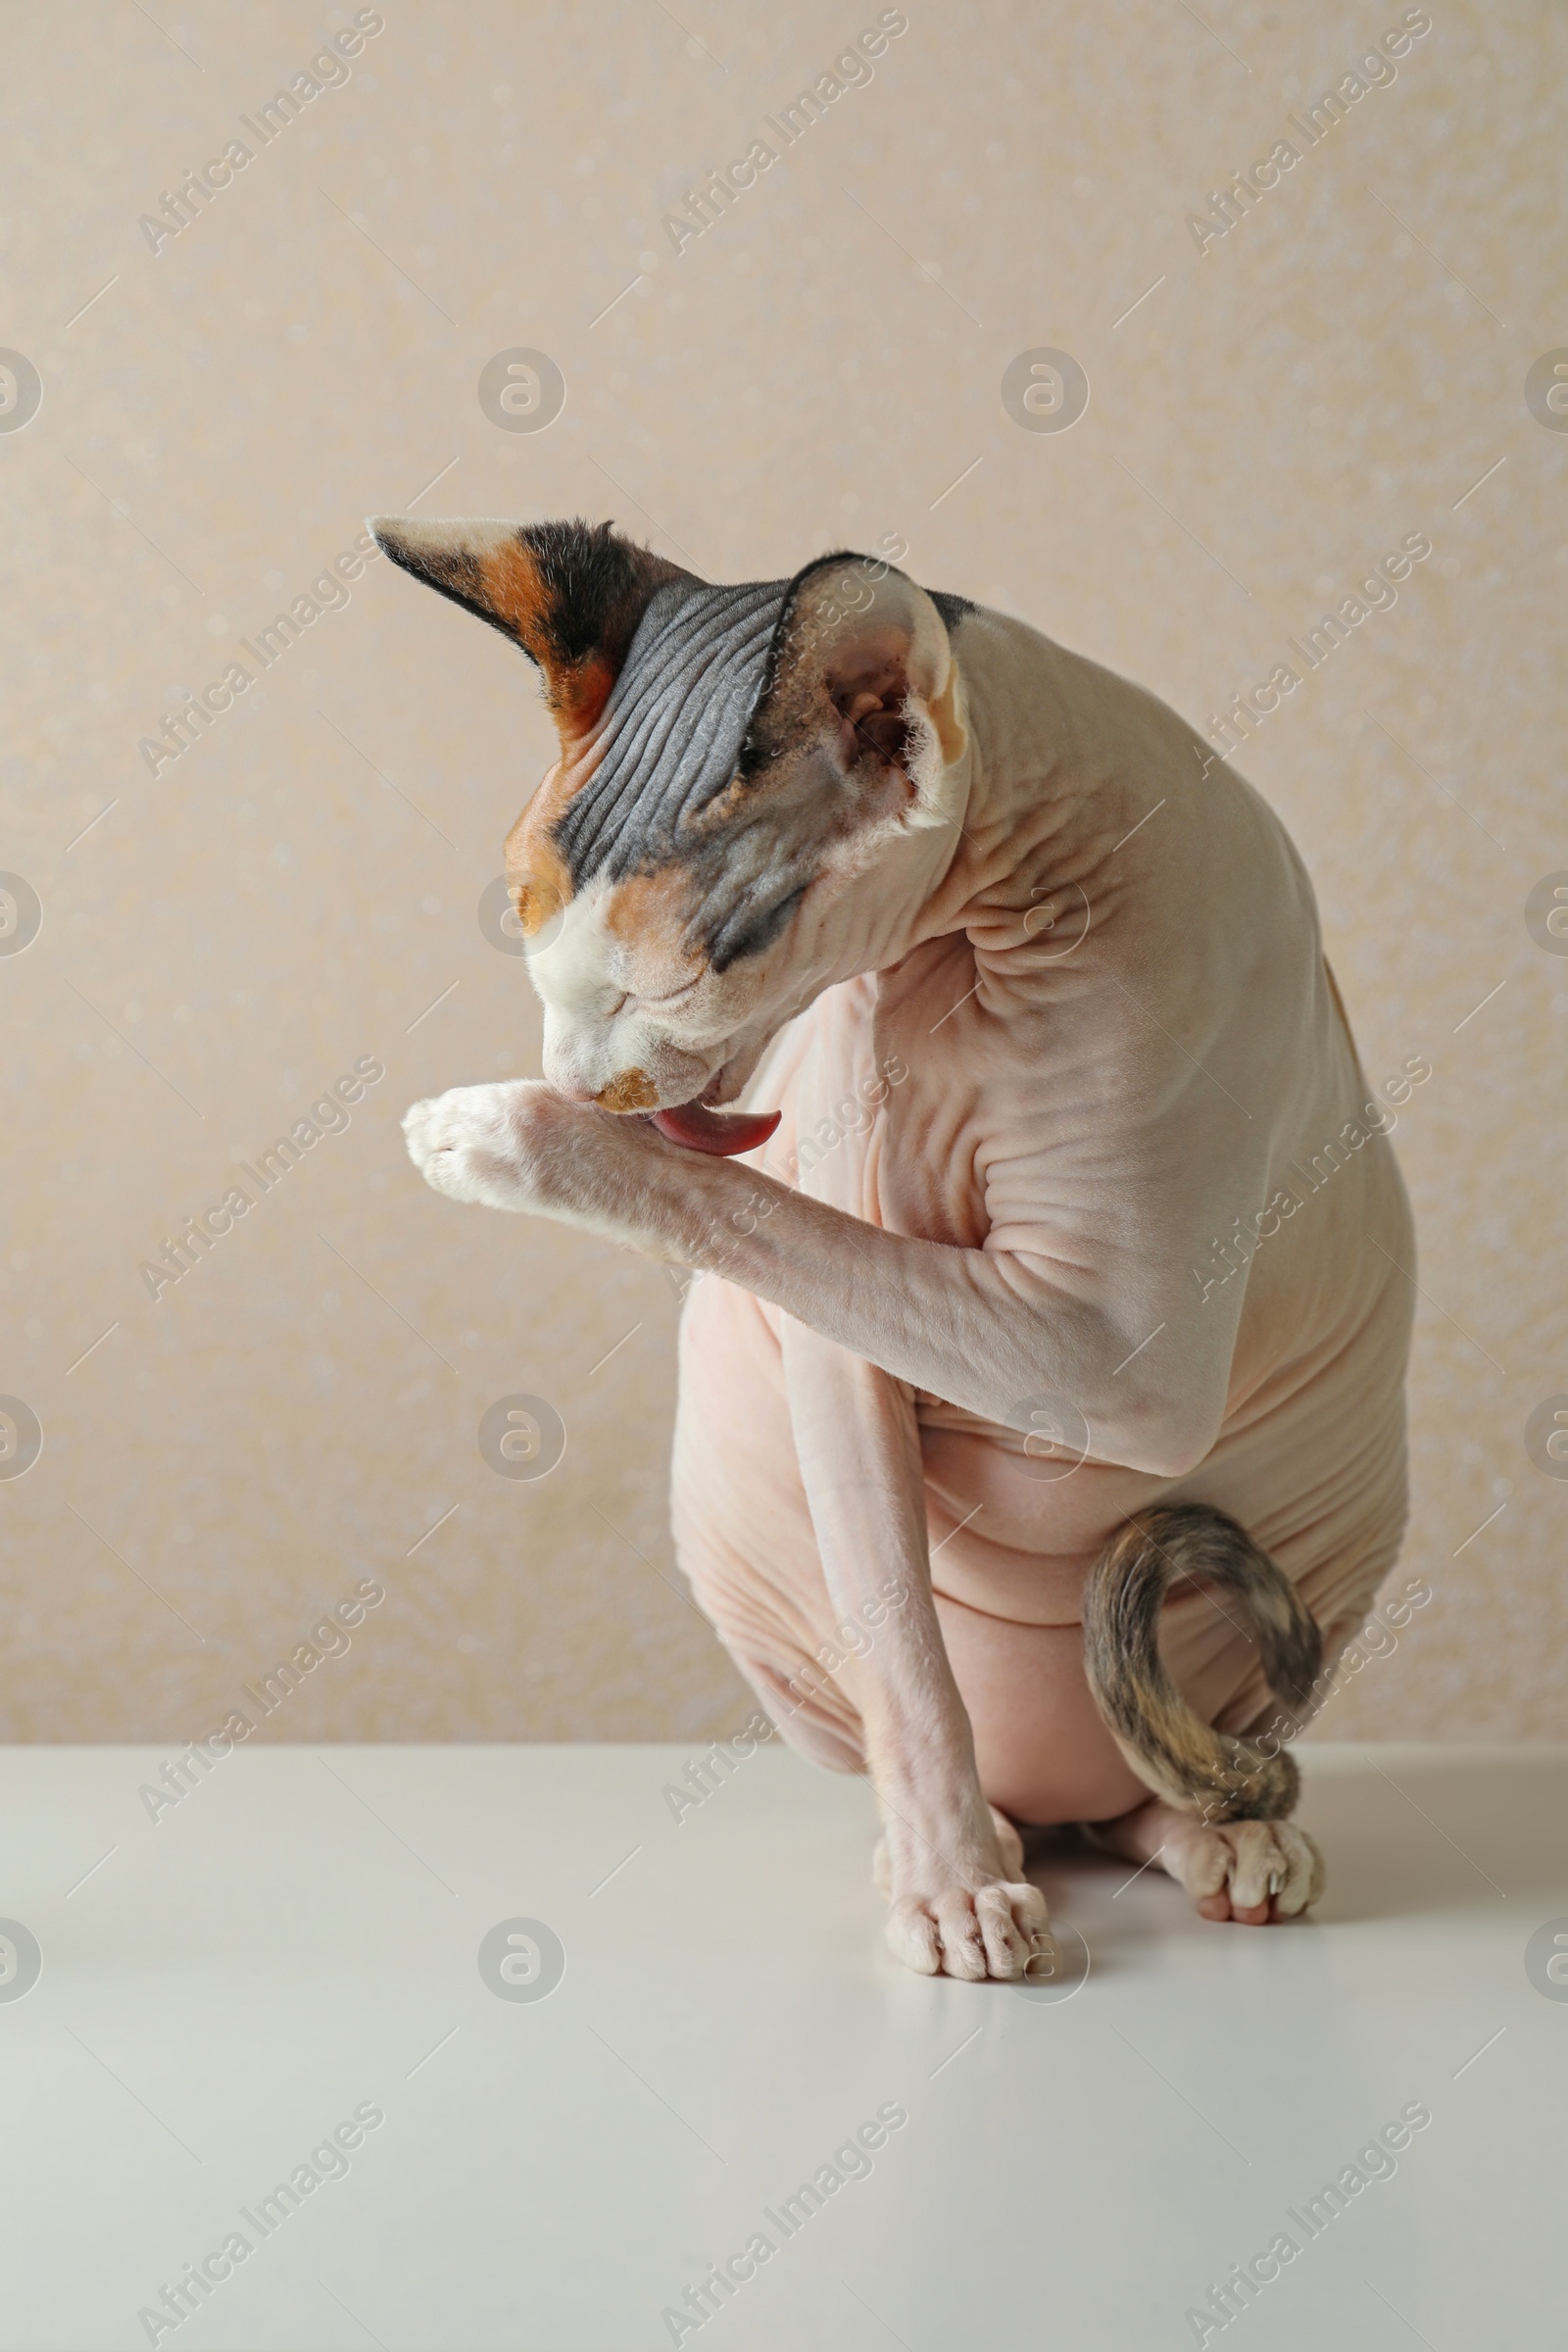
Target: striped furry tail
1173, 1751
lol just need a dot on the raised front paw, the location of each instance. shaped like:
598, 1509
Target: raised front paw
482, 1143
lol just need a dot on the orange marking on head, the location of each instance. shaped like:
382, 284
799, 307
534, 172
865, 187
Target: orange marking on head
540, 889
650, 916
649, 910
583, 692
579, 690
540, 879
513, 589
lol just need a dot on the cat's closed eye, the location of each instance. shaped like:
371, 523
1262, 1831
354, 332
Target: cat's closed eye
675, 996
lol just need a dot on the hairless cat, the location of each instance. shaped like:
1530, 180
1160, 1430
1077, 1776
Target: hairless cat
1040, 1432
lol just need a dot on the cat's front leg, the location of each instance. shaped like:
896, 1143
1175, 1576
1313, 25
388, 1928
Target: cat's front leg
950, 1867
980, 1327
958, 1904
952, 1870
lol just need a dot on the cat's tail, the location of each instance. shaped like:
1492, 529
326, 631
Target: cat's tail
1200, 1770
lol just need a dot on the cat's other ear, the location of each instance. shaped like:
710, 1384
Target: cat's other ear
570, 594
865, 663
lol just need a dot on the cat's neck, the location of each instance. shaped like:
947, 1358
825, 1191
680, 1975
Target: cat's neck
1061, 763
1062, 757
1016, 793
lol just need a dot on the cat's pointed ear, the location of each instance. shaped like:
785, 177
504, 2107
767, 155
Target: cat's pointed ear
866, 662
570, 594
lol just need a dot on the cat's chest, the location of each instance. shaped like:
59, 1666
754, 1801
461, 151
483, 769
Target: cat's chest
886, 1100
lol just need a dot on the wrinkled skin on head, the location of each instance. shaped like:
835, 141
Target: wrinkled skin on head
757, 787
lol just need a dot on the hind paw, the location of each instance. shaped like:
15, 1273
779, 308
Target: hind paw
1256, 1872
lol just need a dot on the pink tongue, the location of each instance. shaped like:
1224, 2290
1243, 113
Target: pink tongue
722, 1132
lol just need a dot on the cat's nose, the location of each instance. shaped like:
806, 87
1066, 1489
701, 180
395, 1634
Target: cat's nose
569, 1069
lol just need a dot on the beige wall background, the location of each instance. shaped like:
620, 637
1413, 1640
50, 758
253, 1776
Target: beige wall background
221, 940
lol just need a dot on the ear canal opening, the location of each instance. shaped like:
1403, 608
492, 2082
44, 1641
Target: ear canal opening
887, 731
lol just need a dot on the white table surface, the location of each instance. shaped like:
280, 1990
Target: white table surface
299, 1936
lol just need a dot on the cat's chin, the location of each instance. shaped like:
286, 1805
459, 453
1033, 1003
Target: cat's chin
734, 1075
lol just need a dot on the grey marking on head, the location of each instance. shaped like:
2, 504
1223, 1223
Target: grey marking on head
674, 725
679, 727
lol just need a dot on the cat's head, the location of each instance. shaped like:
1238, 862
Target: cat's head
757, 787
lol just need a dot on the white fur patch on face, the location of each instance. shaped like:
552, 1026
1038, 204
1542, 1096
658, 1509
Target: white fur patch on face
573, 974
597, 1039
579, 987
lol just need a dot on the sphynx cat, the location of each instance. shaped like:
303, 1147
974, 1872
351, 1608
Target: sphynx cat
1045, 1374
